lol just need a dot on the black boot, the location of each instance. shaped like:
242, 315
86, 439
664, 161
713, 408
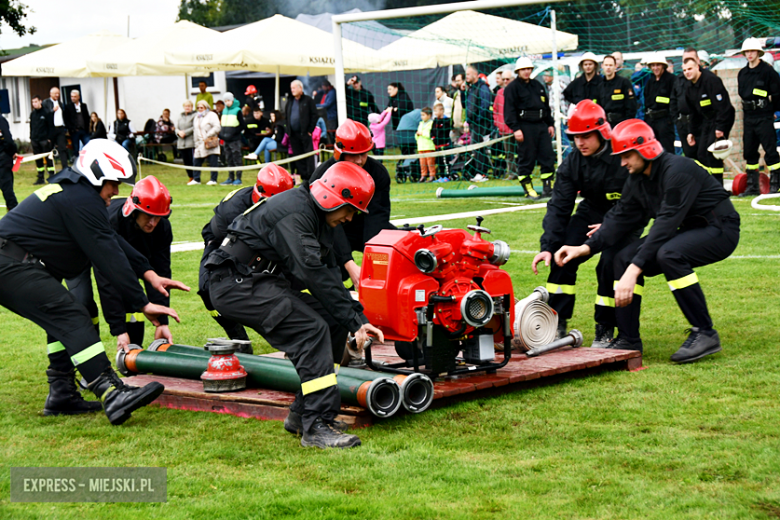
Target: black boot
699, 344
324, 435
120, 400
64, 398
547, 189
293, 423
562, 329
624, 344
751, 189
604, 335
530, 192
39, 180
774, 182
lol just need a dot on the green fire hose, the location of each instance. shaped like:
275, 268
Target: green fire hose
503, 191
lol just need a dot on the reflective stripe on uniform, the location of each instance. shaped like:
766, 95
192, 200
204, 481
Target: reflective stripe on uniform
605, 301
230, 195
45, 192
336, 367
133, 317
545, 176
704, 167
759, 92
88, 353
321, 383
613, 196
57, 346
661, 99
638, 289
773, 167
682, 283
716, 170
214, 313
751, 167
618, 97
95, 320
705, 102
554, 288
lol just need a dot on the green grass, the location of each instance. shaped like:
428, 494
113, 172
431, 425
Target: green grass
669, 442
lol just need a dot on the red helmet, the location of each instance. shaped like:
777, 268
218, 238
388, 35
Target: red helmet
352, 137
635, 134
150, 196
588, 117
271, 179
343, 183
251, 90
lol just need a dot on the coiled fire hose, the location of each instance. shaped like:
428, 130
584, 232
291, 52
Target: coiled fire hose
536, 323
756, 204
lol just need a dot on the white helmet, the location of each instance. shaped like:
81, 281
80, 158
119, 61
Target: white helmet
657, 58
753, 44
588, 56
769, 59
704, 56
102, 160
523, 63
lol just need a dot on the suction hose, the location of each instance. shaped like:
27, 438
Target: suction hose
536, 323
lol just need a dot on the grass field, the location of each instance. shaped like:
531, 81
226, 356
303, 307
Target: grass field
669, 442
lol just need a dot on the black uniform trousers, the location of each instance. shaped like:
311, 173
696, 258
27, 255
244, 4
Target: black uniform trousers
232, 329
43, 163
535, 147
705, 138
760, 131
302, 144
293, 322
561, 283
692, 152
30, 291
7, 186
663, 128
675, 260
481, 155
60, 142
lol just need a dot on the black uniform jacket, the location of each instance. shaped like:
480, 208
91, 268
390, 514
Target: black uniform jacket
617, 97
580, 89
598, 179
360, 103
520, 96
660, 94
708, 99
678, 191
40, 127
352, 236
65, 224
235, 203
289, 229
757, 84
7, 145
154, 246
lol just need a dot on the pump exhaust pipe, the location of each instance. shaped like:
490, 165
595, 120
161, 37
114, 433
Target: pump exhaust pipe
573, 338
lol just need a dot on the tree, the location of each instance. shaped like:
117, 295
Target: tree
13, 13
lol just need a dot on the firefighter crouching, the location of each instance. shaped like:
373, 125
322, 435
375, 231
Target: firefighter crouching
695, 224
271, 179
289, 237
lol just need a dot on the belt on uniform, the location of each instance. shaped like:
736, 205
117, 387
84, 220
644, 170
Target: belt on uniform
657, 114
531, 115
16, 252
713, 217
684, 119
243, 254
755, 105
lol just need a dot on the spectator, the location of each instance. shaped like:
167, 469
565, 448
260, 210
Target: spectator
257, 128
40, 130
399, 101
454, 86
206, 96
270, 142
444, 100
122, 131
206, 130
586, 86
77, 121
219, 107
185, 139
165, 130
360, 102
377, 126
7, 158
503, 129
97, 130
301, 116
442, 126
425, 146
329, 105
459, 89
479, 118
232, 122
55, 110
620, 68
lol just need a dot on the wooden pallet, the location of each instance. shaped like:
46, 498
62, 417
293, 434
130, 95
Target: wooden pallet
521, 372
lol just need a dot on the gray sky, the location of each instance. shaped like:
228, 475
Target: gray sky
61, 20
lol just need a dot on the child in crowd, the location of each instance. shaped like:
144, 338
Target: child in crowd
442, 125
377, 123
425, 145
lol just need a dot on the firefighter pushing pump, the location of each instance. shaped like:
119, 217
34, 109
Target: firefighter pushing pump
289, 238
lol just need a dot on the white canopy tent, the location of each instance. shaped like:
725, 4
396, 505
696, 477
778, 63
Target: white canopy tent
470, 37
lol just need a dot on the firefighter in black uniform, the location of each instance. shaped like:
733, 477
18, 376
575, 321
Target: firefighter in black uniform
55, 233
7, 157
617, 94
661, 102
587, 85
684, 111
759, 88
695, 224
360, 102
527, 113
290, 237
40, 131
353, 142
712, 114
142, 220
271, 179
590, 171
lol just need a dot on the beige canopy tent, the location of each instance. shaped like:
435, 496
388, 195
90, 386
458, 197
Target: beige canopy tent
67, 60
470, 37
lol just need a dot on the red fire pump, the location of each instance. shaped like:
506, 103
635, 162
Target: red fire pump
436, 293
